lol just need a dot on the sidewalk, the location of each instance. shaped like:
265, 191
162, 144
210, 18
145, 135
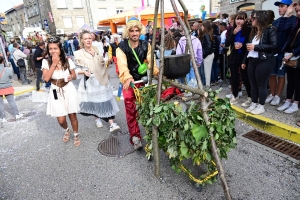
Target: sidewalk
272, 121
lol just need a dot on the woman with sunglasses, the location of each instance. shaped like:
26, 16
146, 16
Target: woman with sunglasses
262, 46
237, 40
63, 99
94, 90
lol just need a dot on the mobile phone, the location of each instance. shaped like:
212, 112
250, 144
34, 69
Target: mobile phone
55, 94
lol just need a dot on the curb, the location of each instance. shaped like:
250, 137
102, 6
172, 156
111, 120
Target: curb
24, 91
269, 125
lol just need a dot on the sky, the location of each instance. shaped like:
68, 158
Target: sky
7, 4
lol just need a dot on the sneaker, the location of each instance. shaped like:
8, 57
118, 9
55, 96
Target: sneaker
3, 120
275, 101
229, 86
19, 116
220, 81
240, 93
247, 103
114, 127
99, 123
252, 107
293, 108
137, 143
269, 98
229, 96
259, 109
234, 100
284, 106
25, 83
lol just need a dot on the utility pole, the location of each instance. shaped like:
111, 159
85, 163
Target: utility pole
89, 11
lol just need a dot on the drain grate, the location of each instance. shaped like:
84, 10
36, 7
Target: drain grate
275, 143
117, 145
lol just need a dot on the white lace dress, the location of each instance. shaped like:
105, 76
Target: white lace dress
67, 101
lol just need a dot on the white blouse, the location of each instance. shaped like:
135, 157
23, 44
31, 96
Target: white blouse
252, 53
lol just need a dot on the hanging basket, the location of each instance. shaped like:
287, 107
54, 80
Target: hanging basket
177, 66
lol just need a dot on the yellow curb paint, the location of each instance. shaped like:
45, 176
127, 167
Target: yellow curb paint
269, 125
24, 91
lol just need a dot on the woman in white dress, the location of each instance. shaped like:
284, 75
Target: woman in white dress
94, 92
63, 99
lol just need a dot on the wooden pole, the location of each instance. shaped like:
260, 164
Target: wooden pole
155, 146
153, 40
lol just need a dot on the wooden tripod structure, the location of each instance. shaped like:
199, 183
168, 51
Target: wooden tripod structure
205, 103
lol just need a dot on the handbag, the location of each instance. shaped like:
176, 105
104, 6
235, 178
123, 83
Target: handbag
293, 62
20, 62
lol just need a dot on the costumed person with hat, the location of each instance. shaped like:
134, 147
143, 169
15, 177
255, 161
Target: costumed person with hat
203, 15
112, 50
131, 53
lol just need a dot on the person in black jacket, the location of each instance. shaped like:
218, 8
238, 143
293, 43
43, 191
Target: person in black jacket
237, 40
292, 49
38, 57
206, 37
262, 48
215, 65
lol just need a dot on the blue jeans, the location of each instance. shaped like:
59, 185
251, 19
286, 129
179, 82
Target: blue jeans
15, 68
202, 74
214, 71
191, 74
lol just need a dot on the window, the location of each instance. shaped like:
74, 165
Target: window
80, 21
61, 3
67, 22
36, 9
13, 26
77, 4
40, 25
216, 9
19, 27
102, 13
119, 10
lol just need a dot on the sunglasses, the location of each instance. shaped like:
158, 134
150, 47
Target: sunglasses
53, 40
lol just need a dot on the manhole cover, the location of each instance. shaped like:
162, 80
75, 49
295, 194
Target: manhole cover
117, 145
275, 143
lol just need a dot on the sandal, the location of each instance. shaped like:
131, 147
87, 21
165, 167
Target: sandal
66, 137
298, 123
76, 139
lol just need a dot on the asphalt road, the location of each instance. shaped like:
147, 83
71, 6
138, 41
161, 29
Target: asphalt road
36, 164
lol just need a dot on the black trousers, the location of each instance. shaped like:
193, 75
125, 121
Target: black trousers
259, 72
293, 83
236, 72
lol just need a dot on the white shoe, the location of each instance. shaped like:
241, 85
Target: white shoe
99, 123
269, 98
275, 101
114, 127
137, 143
252, 107
284, 106
229, 96
240, 93
258, 110
293, 108
3, 120
247, 103
243, 87
19, 116
229, 86
234, 100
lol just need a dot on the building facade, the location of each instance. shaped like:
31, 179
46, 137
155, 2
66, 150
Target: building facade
38, 14
233, 6
102, 9
70, 15
15, 21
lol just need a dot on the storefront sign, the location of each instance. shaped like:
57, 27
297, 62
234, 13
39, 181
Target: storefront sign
235, 1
